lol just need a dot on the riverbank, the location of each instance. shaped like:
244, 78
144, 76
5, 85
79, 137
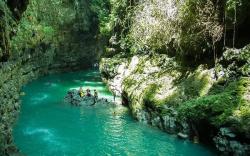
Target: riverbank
49, 125
14, 75
206, 104
182, 66
34, 44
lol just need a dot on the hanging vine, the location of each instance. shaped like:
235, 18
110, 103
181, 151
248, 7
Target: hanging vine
234, 23
5, 30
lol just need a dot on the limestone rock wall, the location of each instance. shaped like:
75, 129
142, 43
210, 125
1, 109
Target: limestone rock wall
41, 60
13, 75
156, 88
39, 38
145, 82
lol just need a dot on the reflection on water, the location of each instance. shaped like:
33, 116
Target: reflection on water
49, 127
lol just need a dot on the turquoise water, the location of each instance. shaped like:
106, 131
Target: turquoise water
49, 127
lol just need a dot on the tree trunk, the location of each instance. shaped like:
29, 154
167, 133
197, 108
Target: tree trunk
235, 20
225, 28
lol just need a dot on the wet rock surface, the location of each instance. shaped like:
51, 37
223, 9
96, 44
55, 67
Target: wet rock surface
14, 74
75, 99
154, 88
227, 143
26, 55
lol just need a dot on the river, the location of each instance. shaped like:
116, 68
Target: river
47, 126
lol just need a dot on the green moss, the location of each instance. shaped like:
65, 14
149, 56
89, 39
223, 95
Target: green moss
229, 107
149, 95
149, 99
128, 82
197, 84
140, 67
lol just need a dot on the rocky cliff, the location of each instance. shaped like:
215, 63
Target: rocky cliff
38, 38
200, 103
183, 66
167, 59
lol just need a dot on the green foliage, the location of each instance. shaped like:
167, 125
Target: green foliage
230, 106
38, 24
149, 95
237, 61
151, 28
127, 82
114, 17
157, 26
7, 22
50, 22
109, 14
193, 37
101, 9
149, 99
192, 30
31, 33
197, 84
241, 7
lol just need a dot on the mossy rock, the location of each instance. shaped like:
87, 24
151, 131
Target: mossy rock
229, 107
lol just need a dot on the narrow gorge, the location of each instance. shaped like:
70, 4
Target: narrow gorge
180, 66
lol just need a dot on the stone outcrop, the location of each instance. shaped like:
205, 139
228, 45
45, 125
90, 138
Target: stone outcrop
17, 72
226, 142
74, 99
33, 43
14, 74
156, 88
140, 78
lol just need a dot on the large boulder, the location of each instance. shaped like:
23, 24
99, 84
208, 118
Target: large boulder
74, 98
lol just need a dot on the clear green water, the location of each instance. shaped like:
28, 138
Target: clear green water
49, 127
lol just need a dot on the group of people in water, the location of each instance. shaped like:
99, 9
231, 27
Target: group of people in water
88, 93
